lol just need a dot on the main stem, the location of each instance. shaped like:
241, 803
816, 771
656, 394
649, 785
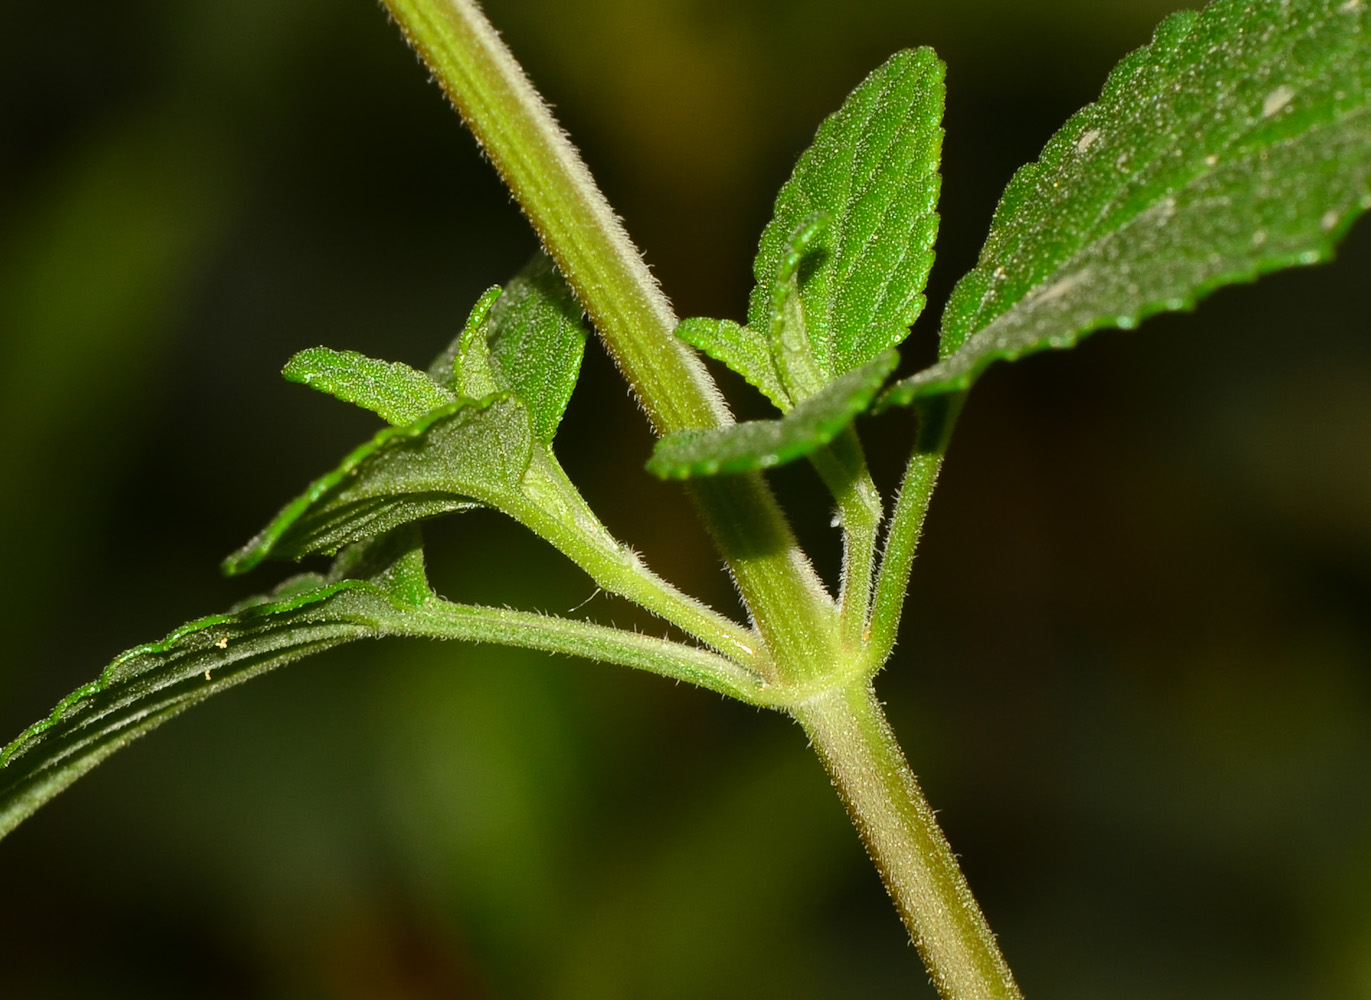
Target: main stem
855, 742
792, 611
786, 598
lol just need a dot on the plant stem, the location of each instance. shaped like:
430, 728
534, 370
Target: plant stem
901, 543
444, 620
532, 154
842, 466
576, 224
883, 798
552, 508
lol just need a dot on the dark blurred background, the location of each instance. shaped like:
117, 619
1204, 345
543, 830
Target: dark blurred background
1135, 674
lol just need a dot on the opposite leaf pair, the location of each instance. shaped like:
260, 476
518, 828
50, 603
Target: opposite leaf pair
1237, 143
840, 271
463, 435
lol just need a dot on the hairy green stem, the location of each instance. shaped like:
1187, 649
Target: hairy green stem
901, 543
561, 199
554, 509
445, 620
842, 466
883, 798
532, 154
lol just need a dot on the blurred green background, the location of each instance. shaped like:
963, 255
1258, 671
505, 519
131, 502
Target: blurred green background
1135, 675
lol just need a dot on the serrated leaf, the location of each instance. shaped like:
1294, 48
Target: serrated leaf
1237, 143
535, 341
873, 170
453, 458
743, 350
393, 391
764, 444
367, 594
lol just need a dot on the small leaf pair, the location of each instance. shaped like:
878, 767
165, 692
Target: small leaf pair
840, 273
462, 435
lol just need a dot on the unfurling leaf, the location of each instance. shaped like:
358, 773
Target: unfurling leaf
368, 593
1237, 143
763, 444
453, 458
393, 391
872, 177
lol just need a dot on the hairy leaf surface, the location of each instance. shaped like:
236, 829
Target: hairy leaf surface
763, 444
873, 173
1237, 143
393, 391
452, 458
741, 349
366, 595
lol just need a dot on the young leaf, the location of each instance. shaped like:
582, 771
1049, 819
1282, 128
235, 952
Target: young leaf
453, 458
763, 444
873, 170
368, 594
444, 367
393, 391
1237, 143
741, 349
536, 340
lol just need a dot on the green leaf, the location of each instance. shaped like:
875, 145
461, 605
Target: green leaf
374, 589
873, 172
453, 458
444, 367
531, 345
393, 391
763, 444
741, 349
1237, 143
369, 593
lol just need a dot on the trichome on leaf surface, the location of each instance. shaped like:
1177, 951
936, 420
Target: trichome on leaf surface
1238, 142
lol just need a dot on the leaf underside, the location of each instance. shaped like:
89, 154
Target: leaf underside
374, 589
456, 457
764, 444
873, 172
366, 595
1237, 143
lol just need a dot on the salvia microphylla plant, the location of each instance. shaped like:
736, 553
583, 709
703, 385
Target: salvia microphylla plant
1236, 143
